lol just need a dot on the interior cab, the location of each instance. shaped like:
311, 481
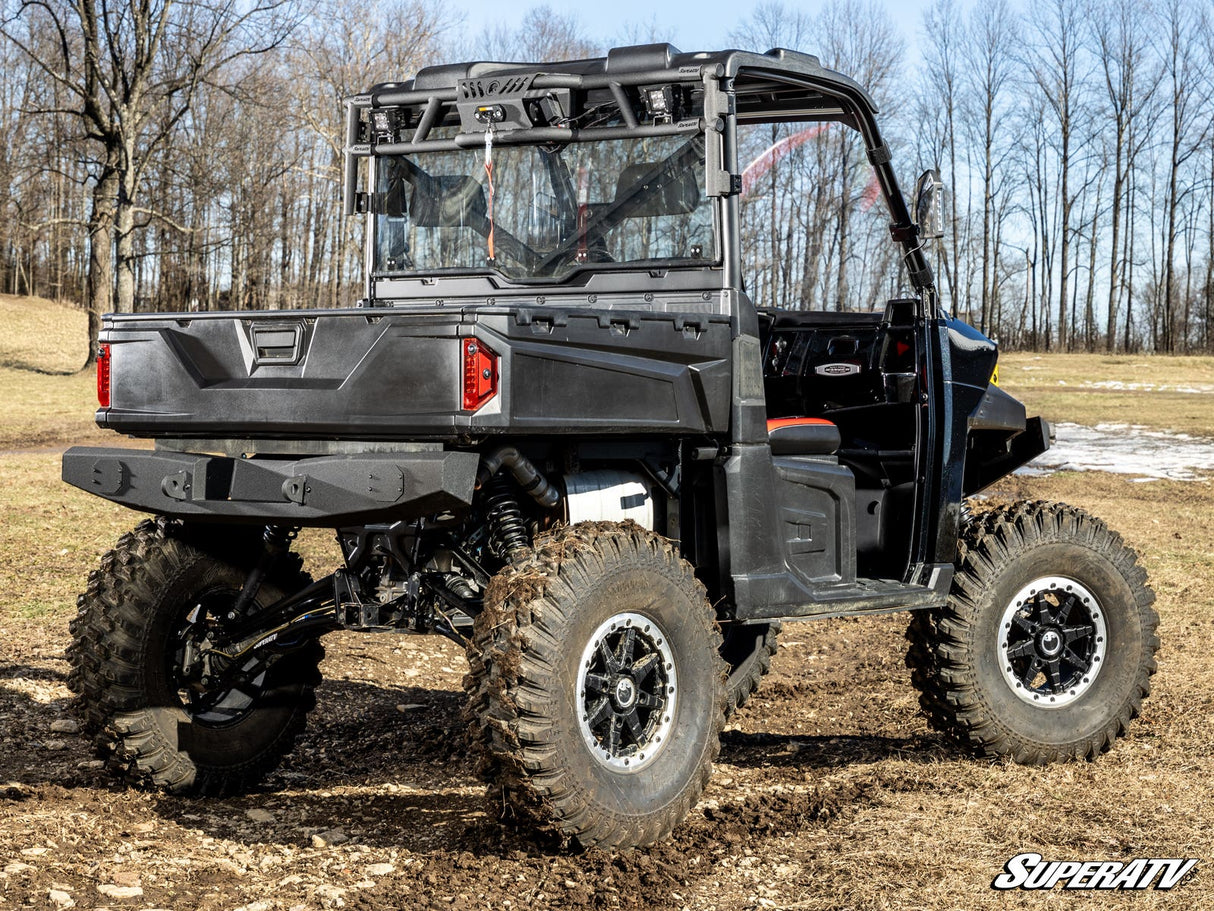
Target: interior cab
858, 373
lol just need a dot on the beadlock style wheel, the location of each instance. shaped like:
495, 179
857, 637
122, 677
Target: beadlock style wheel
1046, 647
169, 707
628, 686
596, 686
1052, 640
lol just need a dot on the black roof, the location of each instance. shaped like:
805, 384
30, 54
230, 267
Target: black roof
778, 80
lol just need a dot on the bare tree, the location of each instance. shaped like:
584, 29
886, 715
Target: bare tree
542, 34
346, 51
773, 25
989, 64
123, 67
942, 29
858, 38
1057, 67
1186, 80
1121, 39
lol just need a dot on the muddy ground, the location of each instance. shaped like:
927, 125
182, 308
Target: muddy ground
830, 791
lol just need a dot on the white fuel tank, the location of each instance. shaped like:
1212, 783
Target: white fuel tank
608, 495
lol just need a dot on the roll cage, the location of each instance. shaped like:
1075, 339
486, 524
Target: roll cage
632, 92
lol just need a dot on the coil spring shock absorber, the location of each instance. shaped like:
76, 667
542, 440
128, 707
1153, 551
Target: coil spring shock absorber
506, 522
277, 539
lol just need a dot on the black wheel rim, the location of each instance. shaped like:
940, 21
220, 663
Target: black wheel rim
627, 690
1052, 641
212, 683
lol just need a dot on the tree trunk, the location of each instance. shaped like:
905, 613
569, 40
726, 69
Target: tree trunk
124, 244
1110, 344
100, 286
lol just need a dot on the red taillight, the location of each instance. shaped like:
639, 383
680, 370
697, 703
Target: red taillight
480, 374
103, 375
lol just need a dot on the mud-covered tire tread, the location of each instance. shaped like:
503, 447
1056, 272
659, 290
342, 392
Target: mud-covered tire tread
104, 656
939, 653
744, 679
510, 653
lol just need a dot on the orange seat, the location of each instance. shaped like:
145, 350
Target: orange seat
803, 436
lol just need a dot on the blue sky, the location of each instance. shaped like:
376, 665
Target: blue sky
690, 25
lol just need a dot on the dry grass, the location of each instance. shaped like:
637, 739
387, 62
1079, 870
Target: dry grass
52, 534
48, 401
42, 411
1083, 389
42, 335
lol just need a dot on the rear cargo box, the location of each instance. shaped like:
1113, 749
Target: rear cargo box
400, 373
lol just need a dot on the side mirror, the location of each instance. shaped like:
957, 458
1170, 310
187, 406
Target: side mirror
929, 205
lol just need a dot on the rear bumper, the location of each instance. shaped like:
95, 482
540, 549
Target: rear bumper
322, 490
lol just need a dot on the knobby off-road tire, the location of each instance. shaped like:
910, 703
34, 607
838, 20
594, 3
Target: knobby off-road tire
596, 690
747, 649
129, 626
1046, 647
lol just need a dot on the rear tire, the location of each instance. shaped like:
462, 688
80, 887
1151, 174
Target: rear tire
128, 634
597, 692
747, 649
1046, 647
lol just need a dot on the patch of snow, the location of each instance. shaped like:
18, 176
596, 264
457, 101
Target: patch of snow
1121, 386
1126, 449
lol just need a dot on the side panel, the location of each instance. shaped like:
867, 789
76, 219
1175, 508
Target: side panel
605, 372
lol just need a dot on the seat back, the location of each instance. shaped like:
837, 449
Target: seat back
802, 436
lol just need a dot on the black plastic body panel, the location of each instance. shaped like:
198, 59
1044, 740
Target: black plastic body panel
816, 518
321, 491
397, 373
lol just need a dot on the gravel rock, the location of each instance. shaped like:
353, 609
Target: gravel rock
328, 838
65, 726
258, 815
112, 891
55, 744
61, 899
380, 869
331, 896
16, 868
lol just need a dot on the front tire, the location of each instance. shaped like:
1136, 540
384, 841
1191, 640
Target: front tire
154, 594
596, 692
1046, 647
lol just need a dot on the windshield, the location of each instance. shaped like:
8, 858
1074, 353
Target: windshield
544, 212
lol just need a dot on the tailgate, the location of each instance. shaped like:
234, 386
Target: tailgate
287, 374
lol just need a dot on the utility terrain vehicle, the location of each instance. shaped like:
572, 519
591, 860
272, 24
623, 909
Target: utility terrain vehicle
557, 430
